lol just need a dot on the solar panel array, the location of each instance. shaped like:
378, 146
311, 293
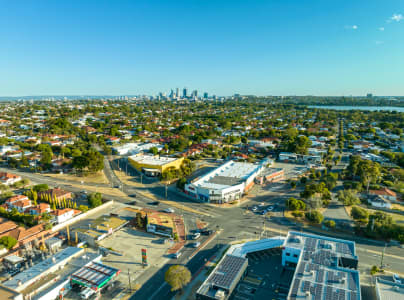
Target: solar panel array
320, 276
354, 295
310, 244
315, 277
335, 294
227, 271
352, 282
295, 288
335, 277
324, 257
344, 248
300, 271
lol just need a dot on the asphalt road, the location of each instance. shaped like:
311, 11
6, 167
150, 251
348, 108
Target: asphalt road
236, 223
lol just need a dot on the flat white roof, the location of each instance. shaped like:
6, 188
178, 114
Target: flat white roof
152, 160
243, 249
389, 290
234, 172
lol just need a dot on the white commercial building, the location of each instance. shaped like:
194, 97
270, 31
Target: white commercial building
135, 148
323, 268
226, 183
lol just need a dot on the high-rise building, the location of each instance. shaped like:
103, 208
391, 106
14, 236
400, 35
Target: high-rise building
184, 93
194, 94
205, 95
177, 92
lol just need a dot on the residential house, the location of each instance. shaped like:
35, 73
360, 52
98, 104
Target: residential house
385, 193
39, 209
8, 178
378, 201
62, 215
56, 193
19, 202
6, 225
26, 236
22, 205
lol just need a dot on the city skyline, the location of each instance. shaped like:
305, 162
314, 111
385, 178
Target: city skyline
259, 47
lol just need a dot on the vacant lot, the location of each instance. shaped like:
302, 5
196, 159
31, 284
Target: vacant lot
129, 242
99, 177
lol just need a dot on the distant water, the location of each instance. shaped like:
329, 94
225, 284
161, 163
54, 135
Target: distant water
371, 108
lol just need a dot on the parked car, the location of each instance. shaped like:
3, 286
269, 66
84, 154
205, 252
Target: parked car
196, 236
397, 279
195, 245
207, 232
154, 203
177, 255
133, 195
254, 208
86, 293
169, 210
271, 208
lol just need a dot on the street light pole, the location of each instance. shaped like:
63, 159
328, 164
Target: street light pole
130, 287
381, 261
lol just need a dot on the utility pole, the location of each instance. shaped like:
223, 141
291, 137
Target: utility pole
381, 261
166, 191
130, 287
263, 228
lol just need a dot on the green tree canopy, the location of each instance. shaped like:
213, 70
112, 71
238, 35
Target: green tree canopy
177, 277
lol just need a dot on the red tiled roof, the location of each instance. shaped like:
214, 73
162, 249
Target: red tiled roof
21, 233
22, 203
383, 192
16, 198
60, 212
7, 226
5, 176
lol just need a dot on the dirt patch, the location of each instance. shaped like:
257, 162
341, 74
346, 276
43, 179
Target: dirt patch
126, 179
102, 190
99, 177
348, 210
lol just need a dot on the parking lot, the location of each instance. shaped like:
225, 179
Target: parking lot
126, 245
291, 170
258, 283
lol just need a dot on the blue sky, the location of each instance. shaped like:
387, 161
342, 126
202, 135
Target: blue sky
272, 47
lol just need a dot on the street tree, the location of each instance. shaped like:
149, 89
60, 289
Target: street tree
177, 277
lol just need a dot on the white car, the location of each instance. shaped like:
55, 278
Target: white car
271, 208
86, 293
397, 279
195, 245
169, 210
196, 236
177, 255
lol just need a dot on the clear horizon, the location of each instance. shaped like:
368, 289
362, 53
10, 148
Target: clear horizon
318, 48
